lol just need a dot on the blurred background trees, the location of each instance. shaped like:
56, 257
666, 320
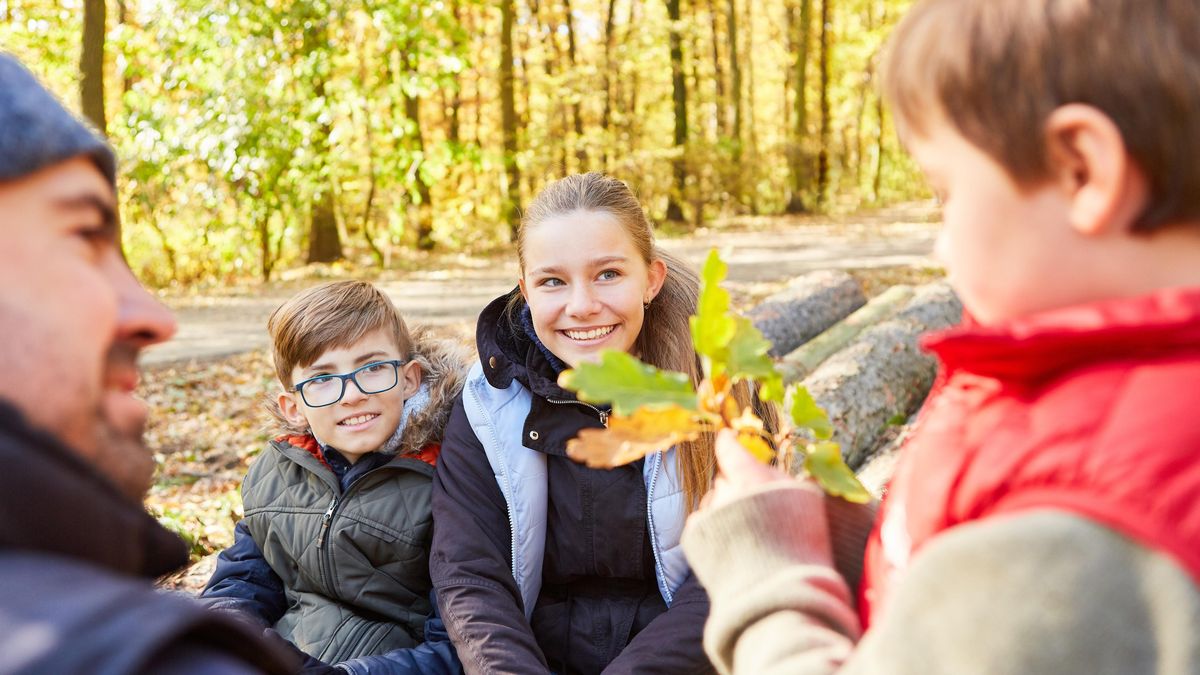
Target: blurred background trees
257, 136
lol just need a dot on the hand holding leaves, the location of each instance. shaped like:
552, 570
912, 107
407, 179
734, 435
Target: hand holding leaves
655, 409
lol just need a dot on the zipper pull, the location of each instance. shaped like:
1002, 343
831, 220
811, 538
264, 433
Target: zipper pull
603, 418
325, 522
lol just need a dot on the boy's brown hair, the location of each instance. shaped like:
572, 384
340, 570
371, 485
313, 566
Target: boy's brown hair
329, 316
996, 70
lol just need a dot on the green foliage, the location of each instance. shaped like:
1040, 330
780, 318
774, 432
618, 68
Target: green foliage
233, 117
806, 414
629, 384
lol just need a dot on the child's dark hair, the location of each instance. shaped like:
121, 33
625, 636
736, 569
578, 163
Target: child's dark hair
996, 69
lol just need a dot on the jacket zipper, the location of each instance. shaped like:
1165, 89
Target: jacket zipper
602, 413
326, 558
658, 566
508, 499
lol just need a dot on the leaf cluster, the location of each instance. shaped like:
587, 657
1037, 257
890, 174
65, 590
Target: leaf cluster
655, 409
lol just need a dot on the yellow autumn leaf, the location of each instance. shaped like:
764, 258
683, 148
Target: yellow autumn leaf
629, 438
757, 446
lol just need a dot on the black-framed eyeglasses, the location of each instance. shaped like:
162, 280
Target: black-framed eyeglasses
374, 378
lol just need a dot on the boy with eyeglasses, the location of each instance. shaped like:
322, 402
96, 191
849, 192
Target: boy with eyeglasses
333, 551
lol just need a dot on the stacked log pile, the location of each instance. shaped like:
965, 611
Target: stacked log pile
866, 369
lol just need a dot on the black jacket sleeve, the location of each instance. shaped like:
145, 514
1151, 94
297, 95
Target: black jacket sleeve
469, 563
673, 641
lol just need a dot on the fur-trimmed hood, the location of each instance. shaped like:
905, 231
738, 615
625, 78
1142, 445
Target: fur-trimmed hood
444, 367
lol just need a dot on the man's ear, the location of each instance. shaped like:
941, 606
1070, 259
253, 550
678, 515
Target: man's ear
1088, 158
410, 378
292, 410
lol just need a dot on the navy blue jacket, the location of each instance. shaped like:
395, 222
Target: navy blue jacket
600, 609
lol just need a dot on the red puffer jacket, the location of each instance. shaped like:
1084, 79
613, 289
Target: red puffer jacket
1094, 410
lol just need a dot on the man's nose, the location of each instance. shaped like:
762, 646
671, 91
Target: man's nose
142, 319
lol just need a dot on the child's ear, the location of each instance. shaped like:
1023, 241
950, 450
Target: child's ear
658, 275
521, 285
1088, 157
410, 378
291, 409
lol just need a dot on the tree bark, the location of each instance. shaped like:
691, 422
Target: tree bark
416, 143
718, 73
609, 75
91, 64
508, 117
736, 76
679, 95
882, 374
798, 160
581, 156
823, 154
324, 240
806, 307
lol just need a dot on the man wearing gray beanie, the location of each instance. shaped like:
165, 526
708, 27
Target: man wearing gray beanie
78, 550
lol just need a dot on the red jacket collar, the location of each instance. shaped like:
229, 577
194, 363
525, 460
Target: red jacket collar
1045, 344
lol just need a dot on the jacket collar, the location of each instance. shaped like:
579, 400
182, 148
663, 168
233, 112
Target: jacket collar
1040, 346
507, 353
52, 501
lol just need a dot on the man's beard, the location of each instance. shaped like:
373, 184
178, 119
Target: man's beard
121, 452
122, 455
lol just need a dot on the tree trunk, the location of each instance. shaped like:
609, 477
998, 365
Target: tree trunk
679, 94
609, 76
324, 240
751, 127
823, 154
718, 73
91, 64
508, 116
416, 143
735, 71
581, 155
798, 160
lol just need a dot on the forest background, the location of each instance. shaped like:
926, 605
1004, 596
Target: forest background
266, 142
258, 136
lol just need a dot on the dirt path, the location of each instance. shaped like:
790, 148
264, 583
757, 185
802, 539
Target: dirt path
761, 252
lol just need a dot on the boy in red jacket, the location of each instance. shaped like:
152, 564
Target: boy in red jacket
1044, 516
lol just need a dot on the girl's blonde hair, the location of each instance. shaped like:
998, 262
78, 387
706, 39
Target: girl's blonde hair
665, 339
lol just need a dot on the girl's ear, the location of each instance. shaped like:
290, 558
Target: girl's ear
657, 276
521, 285
410, 378
1088, 158
291, 409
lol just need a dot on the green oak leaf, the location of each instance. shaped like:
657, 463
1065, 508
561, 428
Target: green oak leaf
712, 326
806, 414
824, 463
627, 383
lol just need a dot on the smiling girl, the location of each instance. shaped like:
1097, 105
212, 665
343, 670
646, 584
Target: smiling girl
542, 564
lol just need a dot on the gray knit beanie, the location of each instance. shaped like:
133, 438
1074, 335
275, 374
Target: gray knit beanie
37, 132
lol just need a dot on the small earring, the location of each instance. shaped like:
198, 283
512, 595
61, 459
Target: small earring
646, 305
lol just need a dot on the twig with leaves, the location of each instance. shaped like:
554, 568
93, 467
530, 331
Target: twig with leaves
654, 409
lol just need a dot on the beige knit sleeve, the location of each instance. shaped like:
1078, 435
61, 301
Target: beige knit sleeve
1038, 592
778, 604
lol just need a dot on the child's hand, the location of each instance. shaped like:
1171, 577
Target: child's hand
738, 472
